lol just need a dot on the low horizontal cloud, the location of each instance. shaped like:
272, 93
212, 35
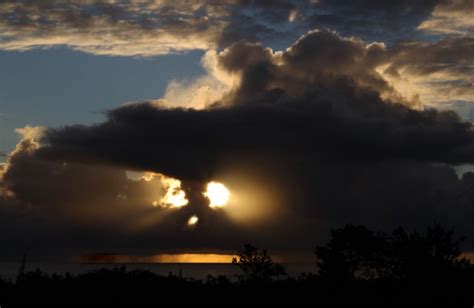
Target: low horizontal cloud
104, 28
136, 28
148, 28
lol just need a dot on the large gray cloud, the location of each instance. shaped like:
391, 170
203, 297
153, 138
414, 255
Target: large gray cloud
310, 124
55, 211
320, 97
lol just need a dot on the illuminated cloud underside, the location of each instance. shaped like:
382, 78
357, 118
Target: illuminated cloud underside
28, 144
174, 196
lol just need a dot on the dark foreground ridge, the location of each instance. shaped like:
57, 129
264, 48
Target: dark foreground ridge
357, 266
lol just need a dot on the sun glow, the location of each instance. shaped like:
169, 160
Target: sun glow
217, 194
193, 220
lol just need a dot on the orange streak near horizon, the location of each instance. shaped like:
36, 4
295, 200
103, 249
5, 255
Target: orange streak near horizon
159, 258
468, 255
193, 258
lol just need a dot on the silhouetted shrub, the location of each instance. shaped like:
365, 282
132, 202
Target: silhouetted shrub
219, 281
357, 266
256, 265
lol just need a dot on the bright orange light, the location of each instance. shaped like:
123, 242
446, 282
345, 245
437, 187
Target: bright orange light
159, 258
193, 220
217, 194
193, 258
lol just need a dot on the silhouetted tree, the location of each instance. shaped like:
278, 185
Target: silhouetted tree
421, 255
353, 252
21, 269
256, 265
358, 266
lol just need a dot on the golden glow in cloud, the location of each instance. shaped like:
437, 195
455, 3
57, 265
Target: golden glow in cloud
450, 17
204, 90
217, 194
28, 144
174, 196
192, 221
253, 200
436, 89
293, 15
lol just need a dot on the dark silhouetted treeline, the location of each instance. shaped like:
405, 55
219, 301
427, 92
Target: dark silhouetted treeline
357, 266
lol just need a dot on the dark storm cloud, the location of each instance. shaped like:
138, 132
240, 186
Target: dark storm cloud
316, 124
59, 189
59, 210
317, 195
310, 123
313, 100
188, 143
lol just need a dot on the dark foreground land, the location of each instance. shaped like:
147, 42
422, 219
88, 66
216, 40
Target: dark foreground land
357, 266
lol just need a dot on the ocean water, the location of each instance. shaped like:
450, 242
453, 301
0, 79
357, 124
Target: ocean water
192, 270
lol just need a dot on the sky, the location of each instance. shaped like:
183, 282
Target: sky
306, 115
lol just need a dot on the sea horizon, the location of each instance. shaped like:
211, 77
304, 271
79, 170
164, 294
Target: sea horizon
10, 270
